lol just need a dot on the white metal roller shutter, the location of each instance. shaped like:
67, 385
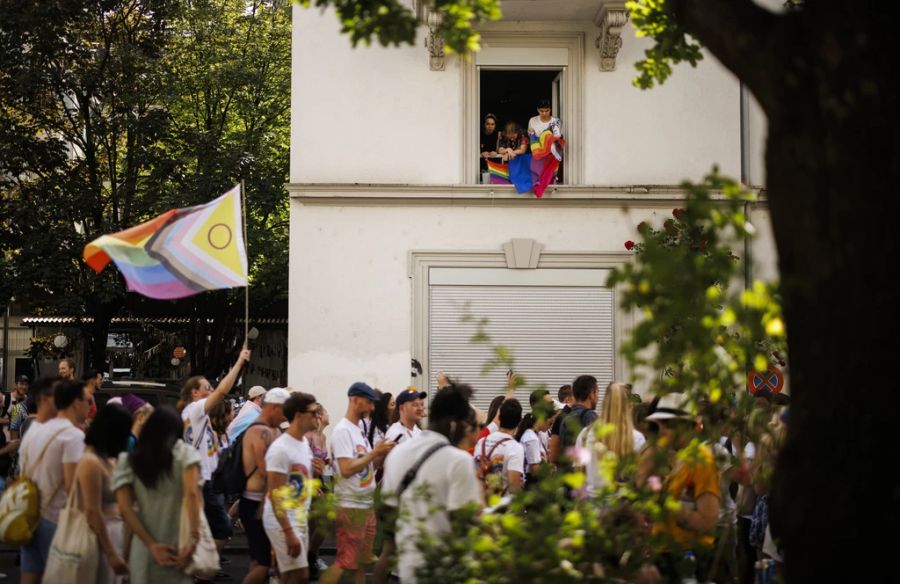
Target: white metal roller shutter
554, 333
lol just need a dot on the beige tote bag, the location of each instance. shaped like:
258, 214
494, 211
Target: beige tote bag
205, 561
74, 552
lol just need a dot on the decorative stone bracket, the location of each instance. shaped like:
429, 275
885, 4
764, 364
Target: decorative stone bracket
434, 42
611, 18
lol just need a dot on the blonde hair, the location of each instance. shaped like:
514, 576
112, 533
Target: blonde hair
617, 411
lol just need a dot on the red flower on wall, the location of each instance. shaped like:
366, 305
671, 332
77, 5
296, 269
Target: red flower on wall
629, 245
677, 213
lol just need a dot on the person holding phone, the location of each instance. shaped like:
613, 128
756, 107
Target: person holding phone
411, 405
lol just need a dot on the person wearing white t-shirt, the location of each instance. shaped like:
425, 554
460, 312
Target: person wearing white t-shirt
543, 122
49, 455
528, 434
354, 488
411, 404
447, 474
289, 469
500, 453
197, 399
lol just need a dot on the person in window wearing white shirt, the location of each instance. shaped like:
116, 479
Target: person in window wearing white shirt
354, 489
444, 471
289, 469
197, 399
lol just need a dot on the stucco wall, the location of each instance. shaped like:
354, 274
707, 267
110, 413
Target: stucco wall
379, 115
375, 115
350, 309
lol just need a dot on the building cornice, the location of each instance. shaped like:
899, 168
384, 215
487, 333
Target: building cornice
490, 195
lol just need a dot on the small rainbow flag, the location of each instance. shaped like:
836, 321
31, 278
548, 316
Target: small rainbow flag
179, 253
499, 172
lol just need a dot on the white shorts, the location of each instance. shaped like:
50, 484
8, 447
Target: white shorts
279, 544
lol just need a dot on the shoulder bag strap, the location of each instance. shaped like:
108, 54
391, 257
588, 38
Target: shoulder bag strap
202, 432
410, 475
241, 438
499, 442
43, 451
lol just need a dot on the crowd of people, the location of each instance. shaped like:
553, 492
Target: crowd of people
162, 488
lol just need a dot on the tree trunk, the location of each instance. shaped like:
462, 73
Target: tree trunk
97, 333
823, 75
832, 194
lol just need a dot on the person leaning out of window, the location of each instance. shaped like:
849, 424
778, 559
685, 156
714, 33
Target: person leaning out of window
513, 143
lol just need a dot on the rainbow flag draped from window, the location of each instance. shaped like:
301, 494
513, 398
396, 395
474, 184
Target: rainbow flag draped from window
517, 171
546, 152
179, 253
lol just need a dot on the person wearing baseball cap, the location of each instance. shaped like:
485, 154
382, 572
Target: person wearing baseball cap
256, 441
248, 412
353, 458
411, 405
693, 480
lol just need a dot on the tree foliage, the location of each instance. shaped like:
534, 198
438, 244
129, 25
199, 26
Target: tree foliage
114, 111
393, 22
700, 327
701, 330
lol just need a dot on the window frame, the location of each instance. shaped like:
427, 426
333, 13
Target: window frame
573, 78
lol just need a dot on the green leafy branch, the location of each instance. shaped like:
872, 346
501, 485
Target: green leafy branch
392, 22
651, 18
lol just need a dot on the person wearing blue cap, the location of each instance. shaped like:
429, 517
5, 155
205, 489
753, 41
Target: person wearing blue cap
354, 488
411, 404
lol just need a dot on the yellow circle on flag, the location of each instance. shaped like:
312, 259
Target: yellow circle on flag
219, 236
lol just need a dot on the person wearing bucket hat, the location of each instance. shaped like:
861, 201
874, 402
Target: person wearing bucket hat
352, 459
411, 405
693, 481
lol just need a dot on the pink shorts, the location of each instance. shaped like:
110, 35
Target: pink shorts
355, 536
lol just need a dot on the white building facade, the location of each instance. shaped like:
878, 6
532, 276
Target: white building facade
394, 239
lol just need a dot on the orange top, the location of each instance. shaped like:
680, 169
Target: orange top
694, 474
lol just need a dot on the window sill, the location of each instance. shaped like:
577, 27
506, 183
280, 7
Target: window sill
485, 194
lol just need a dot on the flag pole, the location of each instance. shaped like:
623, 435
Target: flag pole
247, 251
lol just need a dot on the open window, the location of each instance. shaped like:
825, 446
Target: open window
509, 75
511, 96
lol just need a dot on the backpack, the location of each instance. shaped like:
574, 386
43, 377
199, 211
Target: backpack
20, 505
229, 477
578, 418
486, 471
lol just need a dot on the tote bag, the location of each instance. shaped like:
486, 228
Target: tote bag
205, 561
74, 552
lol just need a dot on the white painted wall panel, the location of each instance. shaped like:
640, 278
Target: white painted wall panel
369, 115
